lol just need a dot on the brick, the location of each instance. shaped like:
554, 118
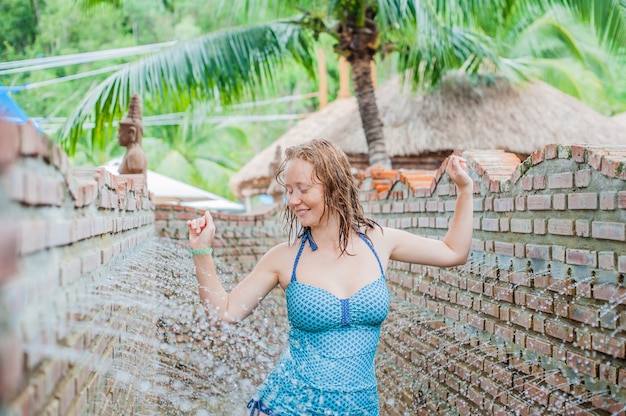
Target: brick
579, 153
491, 224
90, 261
441, 222
504, 248
503, 293
561, 180
559, 330
551, 151
539, 182
539, 202
559, 226
539, 346
32, 236
9, 143
522, 226
521, 279
490, 308
527, 183
503, 204
607, 260
582, 178
59, 232
558, 253
615, 231
594, 158
559, 202
581, 257
621, 200
537, 156
539, 303
608, 201
537, 394
29, 138
9, 250
613, 346
583, 364
521, 318
584, 314
505, 333
611, 167
588, 200
610, 293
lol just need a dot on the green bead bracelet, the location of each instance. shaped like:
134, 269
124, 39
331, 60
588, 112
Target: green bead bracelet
202, 251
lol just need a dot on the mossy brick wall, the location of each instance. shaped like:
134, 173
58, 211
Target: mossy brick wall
61, 230
534, 323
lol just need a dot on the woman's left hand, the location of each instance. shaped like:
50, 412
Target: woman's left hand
457, 171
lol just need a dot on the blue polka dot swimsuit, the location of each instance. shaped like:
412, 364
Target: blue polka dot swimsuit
328, 367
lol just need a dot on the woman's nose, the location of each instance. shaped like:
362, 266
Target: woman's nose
293, 199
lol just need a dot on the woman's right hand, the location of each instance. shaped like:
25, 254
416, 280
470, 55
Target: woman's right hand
201, 232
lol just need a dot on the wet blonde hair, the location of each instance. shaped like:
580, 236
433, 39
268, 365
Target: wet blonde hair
331, 168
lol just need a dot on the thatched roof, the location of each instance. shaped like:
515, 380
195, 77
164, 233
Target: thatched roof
458, 115
620, 118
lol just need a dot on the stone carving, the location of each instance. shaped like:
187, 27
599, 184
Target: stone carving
129, 135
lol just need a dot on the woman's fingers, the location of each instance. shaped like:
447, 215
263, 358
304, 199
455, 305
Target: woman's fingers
457, 170
197, 225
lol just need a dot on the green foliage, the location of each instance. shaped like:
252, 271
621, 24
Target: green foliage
221, 59
18, 27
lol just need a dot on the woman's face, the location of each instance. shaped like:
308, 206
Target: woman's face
305, 194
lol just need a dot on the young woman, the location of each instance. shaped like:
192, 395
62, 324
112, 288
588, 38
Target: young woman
332, 270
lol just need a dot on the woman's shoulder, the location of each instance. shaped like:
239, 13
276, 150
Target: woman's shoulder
282, 250
373, 231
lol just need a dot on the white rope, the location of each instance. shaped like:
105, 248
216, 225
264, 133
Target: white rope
52, 124
72, 77
79, 58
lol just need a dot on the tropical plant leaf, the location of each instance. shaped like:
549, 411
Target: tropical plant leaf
225, 66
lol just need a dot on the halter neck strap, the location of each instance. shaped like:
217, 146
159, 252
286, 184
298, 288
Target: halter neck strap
305, 237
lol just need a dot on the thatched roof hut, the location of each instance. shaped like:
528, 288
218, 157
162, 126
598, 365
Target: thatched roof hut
422, 129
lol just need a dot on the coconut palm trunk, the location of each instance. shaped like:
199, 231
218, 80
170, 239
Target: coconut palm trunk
368, 109
359, 42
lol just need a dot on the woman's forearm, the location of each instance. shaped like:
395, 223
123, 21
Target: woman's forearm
459, 235
213, 296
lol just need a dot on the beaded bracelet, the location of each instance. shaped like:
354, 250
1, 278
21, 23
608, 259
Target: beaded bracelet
202, 251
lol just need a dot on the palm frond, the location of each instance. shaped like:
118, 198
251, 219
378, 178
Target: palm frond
225, 66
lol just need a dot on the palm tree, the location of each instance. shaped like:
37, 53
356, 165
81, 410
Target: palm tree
429, 37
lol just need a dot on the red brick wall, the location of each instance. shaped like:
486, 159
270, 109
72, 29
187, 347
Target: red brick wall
533, 323
61, 230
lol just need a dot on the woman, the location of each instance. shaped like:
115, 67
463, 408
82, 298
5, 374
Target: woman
332, 270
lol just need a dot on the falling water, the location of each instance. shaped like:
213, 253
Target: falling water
419, 373
170, 357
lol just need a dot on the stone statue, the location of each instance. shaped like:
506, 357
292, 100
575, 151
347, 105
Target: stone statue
129, 135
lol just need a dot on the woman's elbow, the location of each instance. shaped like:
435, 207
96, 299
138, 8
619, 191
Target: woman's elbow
221, 316
459, 259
